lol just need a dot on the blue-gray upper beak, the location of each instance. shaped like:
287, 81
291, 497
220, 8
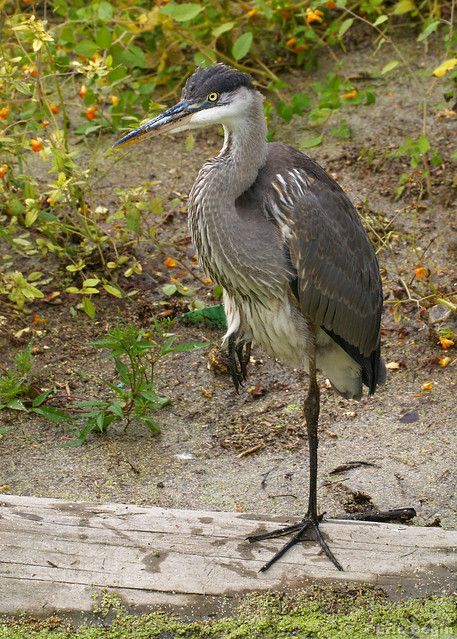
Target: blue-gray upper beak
166, 121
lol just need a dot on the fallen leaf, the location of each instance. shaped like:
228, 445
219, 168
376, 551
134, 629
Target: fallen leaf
446, 343
421, 273
393, 366
257, 391
21, 332
444, 67
447, 114
350, 95
444, 361
427, 386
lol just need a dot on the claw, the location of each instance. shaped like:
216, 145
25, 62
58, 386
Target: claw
300, 530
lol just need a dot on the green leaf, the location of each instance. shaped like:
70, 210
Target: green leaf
211, 315
151, 424
187, 347
169, 289
42, 397
90, 282
15, 404
86, 48
151, 396
116, 409
123, 371
182, 12
103, 38
242, 45
345, 25
134, 57
4, 429
380, 20
423, 144
223, 28
390, 66
309, 143
112, 290
105, 11
52, 413
404, 6
88, 307
429, 29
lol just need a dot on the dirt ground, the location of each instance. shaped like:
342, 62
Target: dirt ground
222, 451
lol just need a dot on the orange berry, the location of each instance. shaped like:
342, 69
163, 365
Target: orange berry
330, 4
170, 262
350, 95
421, 273
251, 13
91, 113
4, 111
3, 170
53, 107
34, 72
446, 343
291, 42
36, 144
114, 100
82, 91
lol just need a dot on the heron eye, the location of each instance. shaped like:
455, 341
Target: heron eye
213, 97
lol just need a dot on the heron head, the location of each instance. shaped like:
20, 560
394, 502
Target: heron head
218, 94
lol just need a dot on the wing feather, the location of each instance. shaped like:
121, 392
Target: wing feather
339, 285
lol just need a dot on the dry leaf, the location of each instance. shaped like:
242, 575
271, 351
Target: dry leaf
421, 273
427, 386
444, 361
170, 262
444, 67
446, 343
393, 366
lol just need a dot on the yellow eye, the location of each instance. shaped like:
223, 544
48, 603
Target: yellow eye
213, 97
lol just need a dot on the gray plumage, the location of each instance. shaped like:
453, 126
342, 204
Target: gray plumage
285, 242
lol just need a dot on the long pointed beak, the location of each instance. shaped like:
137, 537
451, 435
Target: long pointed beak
171, 119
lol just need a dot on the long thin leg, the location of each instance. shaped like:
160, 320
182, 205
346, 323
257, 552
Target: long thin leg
312, 519
311, 410
236, 374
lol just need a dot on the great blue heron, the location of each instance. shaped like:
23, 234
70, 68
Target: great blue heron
299, 274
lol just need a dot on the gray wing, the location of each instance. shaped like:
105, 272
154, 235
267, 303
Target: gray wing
337, 275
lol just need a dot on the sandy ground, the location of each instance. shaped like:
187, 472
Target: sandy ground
395, 449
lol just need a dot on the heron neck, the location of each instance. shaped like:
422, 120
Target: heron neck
244, 150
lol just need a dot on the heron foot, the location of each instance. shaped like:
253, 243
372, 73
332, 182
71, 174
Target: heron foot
299, 529
238, 359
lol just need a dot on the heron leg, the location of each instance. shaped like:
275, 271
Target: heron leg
312, 520
243, 352
234, 368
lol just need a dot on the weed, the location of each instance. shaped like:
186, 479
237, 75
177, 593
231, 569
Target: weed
133, 395
15, 382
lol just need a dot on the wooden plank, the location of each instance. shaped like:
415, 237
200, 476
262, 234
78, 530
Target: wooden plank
55, 554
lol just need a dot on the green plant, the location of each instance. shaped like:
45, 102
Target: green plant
133, 396
15, 381
17, 391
